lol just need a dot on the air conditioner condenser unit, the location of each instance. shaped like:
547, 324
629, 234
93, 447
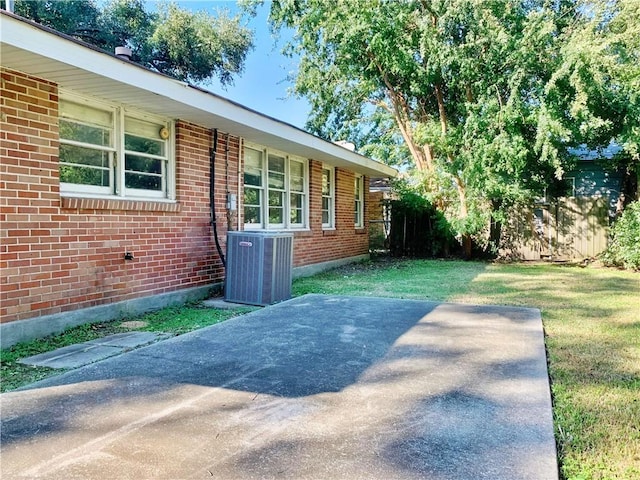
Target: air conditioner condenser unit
259, 267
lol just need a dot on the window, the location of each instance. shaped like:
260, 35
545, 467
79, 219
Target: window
253, 190
107, 151
297, 211
358, 192
275, 190
328, 197
87, 148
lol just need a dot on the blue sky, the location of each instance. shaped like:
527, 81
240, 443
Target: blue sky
263, 85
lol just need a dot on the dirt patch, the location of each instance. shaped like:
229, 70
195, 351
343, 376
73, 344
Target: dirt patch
376, 263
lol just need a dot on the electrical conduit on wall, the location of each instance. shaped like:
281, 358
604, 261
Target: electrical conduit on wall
212, 182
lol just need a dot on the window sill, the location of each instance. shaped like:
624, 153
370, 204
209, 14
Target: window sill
248, 227
87, 203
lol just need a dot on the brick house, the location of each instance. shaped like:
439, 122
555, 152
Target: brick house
105, 186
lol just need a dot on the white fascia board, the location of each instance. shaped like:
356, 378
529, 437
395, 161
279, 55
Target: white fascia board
217, 110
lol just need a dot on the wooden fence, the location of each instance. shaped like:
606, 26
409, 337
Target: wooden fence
418, 232
567, 229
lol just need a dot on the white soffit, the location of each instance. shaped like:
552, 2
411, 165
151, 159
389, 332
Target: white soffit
37, 51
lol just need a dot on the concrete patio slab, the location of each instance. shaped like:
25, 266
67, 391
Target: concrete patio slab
222, 304
127, 339
313, 388
75, 356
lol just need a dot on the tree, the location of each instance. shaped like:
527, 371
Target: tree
460, 88
593, 96
193, 47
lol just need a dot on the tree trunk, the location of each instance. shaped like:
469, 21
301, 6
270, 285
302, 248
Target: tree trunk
495, 230
467, 246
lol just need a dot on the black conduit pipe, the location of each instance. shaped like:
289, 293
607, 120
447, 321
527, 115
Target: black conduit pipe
212, 183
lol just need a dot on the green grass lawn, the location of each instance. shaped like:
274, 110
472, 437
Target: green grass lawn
591, 319
172, 321
592, 324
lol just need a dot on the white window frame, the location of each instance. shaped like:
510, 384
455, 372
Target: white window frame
287, 191
330, 197
303, 193
258, 188
111, 149
117, 188
358, 194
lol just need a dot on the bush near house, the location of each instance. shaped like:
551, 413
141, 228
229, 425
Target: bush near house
624, 248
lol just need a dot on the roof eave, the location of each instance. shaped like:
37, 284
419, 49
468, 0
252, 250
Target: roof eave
73, 65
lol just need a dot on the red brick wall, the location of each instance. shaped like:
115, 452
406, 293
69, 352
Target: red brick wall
61, 254
30, 264
64, 254
345, 241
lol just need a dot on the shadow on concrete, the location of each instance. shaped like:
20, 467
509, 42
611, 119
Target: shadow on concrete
307, 346
294, 349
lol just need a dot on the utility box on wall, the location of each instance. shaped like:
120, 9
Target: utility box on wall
259, 267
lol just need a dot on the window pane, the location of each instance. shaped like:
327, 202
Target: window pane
143, 164
253, 176
84, 175
276, 215
84, 156
251, 214
143, 182
276, 199
325, 216
276, 164
297, 169
296, 216
144, 145
276, 180
296, 201
276, 172
143, 128
81, 132
252, 158
296, 181
251, 196
326, 182
297, 184
85, 114
252, 167
358, 204
143, 173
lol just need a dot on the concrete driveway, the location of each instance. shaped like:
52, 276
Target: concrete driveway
319, 387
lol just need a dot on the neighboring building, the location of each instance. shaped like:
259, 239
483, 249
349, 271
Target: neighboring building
105, 185
573, 227
591, 177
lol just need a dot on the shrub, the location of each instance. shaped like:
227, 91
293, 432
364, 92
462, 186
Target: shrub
624, 245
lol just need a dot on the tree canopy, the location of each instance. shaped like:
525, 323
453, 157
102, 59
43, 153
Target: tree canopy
481, 98
189, 46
